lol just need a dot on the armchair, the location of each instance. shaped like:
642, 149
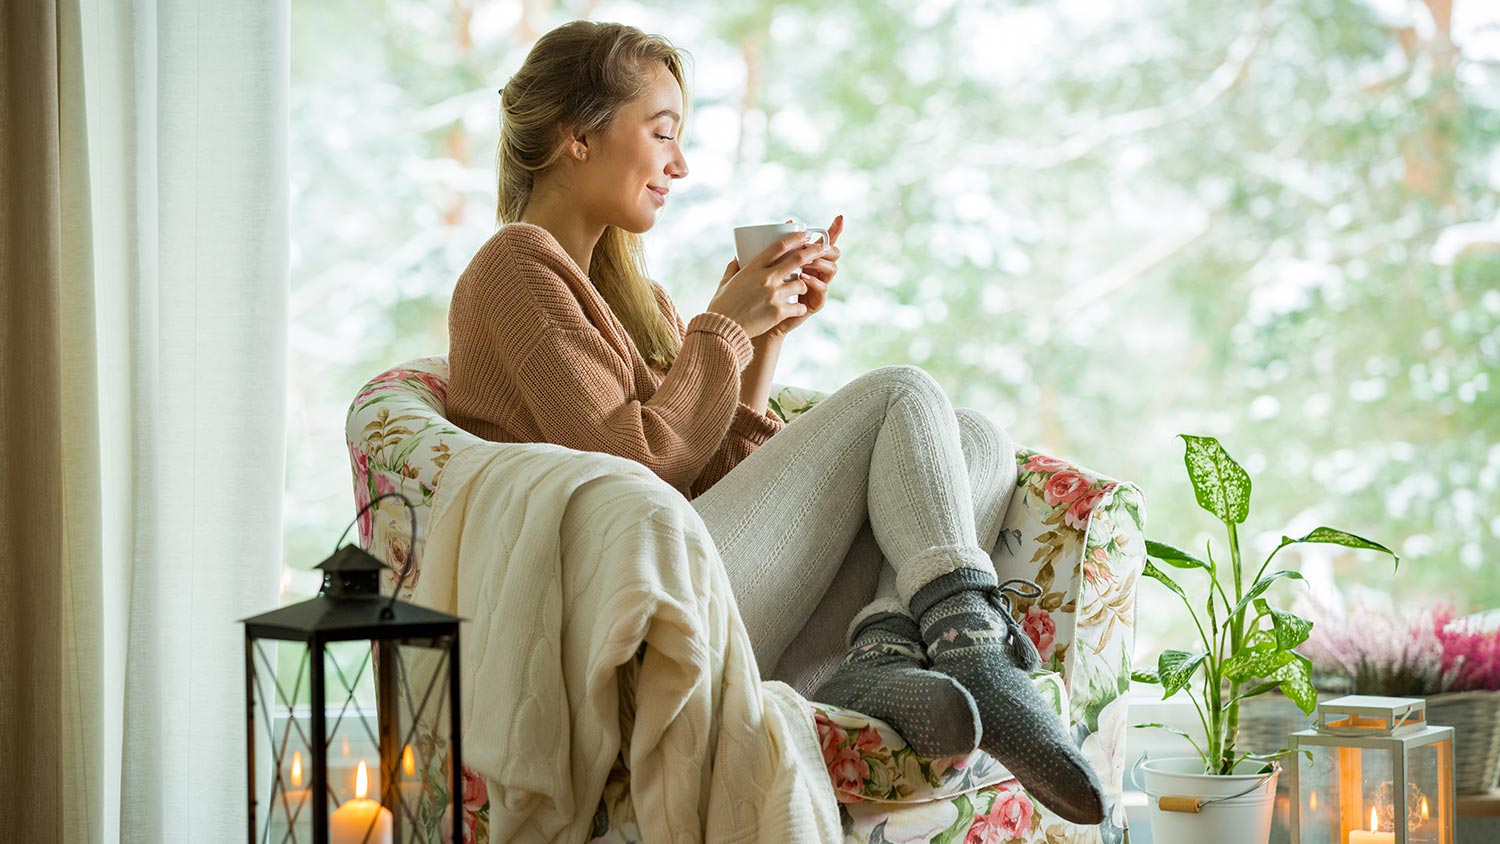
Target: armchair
1075, 532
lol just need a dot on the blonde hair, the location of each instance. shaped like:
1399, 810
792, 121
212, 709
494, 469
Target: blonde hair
584, 73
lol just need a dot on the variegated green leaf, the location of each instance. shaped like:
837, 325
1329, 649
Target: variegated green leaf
1157, 574
1173, 556
1296, 683
1221, 485
1290, 630
1334, 536
1260, 660
1262, 585
1175, 668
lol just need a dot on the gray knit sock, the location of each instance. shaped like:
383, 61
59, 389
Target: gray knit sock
883, 677
970, 635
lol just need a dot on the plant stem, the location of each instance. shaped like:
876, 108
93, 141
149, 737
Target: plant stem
1236, 638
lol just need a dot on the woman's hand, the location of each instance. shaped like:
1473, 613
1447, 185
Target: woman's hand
818, 275
756, 296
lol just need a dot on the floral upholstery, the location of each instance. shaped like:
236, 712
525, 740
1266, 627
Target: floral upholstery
1076, 533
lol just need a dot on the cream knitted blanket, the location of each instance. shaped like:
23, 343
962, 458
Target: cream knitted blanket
562, 563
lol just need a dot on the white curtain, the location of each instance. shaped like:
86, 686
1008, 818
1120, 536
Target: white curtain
146, 272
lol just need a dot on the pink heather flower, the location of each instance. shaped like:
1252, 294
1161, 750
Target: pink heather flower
1045, 464
1041, 629
1471, 656
1064, 487
1385, 650
848, 770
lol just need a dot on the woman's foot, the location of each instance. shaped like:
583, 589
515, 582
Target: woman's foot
883, 677
970, 635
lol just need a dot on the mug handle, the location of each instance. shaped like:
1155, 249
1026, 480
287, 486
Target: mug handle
809, 230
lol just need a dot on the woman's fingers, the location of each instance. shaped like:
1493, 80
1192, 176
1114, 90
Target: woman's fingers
797, 258
822, 268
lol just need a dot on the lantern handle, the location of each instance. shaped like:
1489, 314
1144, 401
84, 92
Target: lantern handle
411, 510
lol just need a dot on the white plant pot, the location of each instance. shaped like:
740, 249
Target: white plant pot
1243, 819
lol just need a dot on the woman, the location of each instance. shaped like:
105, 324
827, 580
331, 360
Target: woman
870, 519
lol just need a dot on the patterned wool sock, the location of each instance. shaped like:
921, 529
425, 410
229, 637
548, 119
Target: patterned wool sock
883, 677
970, 635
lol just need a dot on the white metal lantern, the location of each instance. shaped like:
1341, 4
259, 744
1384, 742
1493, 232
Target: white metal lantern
1378, 774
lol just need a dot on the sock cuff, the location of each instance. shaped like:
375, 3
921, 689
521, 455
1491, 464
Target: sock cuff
949, 584
941, 571
876, 611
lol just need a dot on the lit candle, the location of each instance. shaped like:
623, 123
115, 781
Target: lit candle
1374, 836
412, 788
296, 795
352, 823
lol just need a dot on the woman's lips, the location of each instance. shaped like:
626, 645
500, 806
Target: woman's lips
661, 196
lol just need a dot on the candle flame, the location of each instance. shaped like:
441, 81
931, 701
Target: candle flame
1424, 807
297, 769
1312, 802
344, 747
1374, 819
361, 781
409, 762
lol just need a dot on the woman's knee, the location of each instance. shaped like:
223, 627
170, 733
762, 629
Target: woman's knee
907, 380
979, 430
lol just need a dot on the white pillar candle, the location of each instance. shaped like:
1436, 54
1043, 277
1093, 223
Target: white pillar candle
351, 824
1360, 836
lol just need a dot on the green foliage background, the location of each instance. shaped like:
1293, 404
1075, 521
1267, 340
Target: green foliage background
1274, 223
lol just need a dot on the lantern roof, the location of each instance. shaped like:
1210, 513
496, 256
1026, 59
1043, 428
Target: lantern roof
334, 619
350, 606
1374, 705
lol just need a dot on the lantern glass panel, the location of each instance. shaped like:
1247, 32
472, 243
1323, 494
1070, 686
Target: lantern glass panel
415, 710
1429, 819
1338, 789
386, 703
280, 681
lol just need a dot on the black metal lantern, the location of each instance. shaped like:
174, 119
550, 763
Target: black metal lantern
363, 735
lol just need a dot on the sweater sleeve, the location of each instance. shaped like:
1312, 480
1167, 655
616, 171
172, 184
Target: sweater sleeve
573, 383
748, 430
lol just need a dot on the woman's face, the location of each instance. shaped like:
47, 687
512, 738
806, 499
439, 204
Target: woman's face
637, 153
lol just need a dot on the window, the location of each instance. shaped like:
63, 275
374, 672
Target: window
1272, 223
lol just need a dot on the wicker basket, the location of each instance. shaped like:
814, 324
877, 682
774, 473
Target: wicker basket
1475, 719
1267, 722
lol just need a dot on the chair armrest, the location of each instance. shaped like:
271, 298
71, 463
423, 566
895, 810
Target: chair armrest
1080, 536
789, 401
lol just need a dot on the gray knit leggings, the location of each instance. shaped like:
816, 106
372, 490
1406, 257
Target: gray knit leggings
885, 470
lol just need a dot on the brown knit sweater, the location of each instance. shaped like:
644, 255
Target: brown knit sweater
536, 355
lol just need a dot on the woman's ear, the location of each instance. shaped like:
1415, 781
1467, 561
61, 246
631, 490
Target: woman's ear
575, 142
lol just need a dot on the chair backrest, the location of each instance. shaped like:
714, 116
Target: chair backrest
399, 441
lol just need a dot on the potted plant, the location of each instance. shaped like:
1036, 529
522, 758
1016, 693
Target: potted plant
1246, 648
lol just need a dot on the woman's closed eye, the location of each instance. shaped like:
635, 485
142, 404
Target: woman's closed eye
667, 137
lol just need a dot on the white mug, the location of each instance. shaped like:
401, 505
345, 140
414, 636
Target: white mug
750, 241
